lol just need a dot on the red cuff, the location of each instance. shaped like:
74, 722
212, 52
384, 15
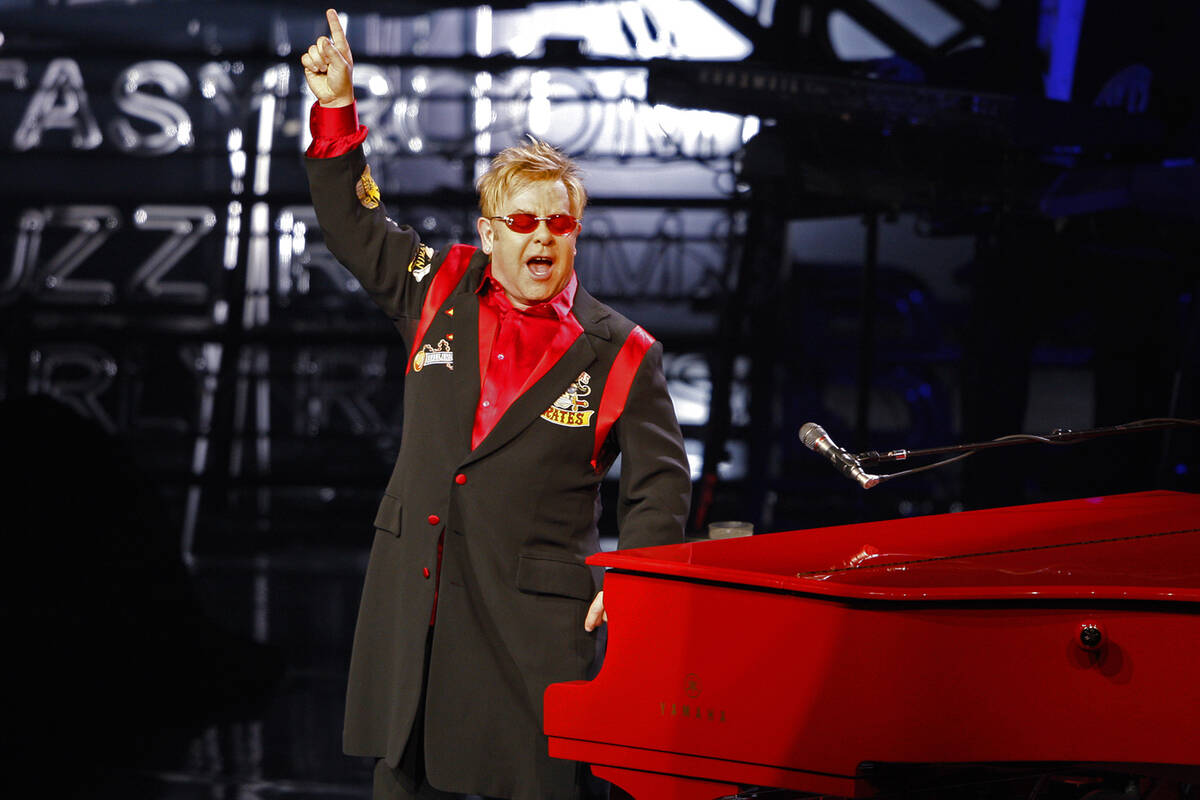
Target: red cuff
335, 131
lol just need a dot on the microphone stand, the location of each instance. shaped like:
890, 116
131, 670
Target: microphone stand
1059, 436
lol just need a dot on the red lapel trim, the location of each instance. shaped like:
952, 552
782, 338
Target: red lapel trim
616, 388
453, 267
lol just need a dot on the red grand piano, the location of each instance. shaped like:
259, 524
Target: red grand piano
837, 660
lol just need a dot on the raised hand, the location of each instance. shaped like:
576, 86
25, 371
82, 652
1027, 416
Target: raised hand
328, 66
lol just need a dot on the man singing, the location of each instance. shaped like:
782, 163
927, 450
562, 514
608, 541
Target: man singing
521, 389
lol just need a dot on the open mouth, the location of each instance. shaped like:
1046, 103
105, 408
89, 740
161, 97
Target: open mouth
540, 266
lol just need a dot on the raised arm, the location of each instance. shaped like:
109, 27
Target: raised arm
389, 260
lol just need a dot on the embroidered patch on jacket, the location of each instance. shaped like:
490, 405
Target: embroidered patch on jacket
428, 354
568, 409
368, 192
422, 262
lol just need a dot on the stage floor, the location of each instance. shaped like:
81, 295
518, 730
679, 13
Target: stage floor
247, 707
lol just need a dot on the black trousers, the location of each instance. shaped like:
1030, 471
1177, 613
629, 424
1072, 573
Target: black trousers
407, 779
395, 784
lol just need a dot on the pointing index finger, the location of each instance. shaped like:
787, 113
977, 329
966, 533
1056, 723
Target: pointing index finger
335, 30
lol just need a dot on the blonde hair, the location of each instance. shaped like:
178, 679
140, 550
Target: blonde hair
516, 167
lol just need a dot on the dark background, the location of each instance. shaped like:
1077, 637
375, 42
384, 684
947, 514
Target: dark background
200, 408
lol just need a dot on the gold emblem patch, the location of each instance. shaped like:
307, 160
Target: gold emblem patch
568, 408
428, 354
368, 192
421, 263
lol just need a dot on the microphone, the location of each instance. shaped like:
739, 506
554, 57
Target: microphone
816, 439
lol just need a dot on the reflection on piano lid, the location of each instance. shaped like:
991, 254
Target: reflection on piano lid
866, 658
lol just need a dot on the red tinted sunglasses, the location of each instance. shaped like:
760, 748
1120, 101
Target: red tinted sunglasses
559, 224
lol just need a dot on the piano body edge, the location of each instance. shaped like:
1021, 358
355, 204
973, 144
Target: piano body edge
749, 685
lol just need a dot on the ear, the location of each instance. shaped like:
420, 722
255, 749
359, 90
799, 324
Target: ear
484, 226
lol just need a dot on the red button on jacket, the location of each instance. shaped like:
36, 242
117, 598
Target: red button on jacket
460, 479
434, 519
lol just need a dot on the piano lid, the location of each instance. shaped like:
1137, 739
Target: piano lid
1143, 546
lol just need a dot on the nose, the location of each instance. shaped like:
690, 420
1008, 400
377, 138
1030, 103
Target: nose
542, 232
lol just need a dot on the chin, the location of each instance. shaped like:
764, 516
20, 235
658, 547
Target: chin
544, 290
